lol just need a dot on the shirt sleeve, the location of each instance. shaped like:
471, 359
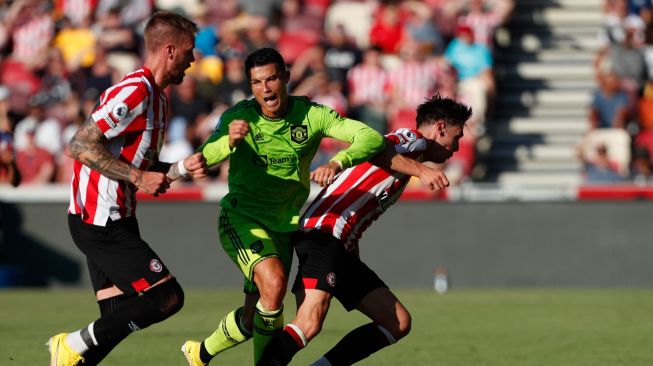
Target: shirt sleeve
122, 110
216, 148
365, 141
407, 141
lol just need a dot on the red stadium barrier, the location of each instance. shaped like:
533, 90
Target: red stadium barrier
423, 195
175, 194
476, 193
198, 193
614, 193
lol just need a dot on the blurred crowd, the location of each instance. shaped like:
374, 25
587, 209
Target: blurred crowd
619, 146
371, 60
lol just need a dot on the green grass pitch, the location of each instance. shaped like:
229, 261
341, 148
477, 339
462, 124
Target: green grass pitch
493, 327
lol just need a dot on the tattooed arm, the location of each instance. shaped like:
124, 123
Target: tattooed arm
88, 146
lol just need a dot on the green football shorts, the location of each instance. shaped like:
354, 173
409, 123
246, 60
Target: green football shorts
247, 242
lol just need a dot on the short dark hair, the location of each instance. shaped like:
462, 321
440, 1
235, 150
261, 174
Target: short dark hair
439, 108
262, 57
164, 26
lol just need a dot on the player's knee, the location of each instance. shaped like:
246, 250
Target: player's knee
168, 297
272, 290
403, 325
398, 327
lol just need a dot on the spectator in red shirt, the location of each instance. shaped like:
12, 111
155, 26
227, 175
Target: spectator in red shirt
387, 31
368, 90
35, 164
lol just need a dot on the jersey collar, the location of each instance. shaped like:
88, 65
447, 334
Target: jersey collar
150, 77
277, 119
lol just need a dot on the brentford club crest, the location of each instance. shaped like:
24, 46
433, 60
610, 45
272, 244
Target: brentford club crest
155, 265
331, 279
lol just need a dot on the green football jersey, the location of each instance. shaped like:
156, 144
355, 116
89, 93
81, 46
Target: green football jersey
269, 171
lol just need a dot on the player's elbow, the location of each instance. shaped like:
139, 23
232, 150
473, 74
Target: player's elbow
378, 142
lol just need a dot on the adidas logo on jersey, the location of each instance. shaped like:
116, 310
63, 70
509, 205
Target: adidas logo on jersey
258, 137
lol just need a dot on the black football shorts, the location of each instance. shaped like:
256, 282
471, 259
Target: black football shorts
116, 254
325, 265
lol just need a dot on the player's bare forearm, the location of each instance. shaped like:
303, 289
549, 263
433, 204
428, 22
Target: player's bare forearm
436, 153
389, 159
88, 147
408, 166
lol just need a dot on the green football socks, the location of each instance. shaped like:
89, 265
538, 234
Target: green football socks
266, 325
230, 332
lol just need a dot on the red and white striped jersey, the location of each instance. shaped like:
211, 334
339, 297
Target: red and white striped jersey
483, 25
76, 10
32, 38
415, 80
367, 84
132, 116
360, 194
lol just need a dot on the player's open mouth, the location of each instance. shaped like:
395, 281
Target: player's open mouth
271, 100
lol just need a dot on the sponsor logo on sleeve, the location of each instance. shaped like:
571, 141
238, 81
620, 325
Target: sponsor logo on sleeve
409, 135
120, 111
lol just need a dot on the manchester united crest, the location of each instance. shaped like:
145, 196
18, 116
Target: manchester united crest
299, 133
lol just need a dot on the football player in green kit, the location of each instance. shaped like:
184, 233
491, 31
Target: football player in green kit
270, 141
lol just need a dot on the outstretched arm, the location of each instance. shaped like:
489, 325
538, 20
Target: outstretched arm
388, 158
88, 146
365, 142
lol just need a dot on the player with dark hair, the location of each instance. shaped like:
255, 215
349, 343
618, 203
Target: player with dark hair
329, 263
270, 141
116, 154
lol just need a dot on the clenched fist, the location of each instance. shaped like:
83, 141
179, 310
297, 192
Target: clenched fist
238, 129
